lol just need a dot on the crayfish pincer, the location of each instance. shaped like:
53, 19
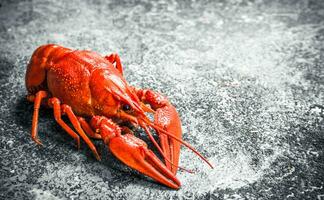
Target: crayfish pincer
92, 92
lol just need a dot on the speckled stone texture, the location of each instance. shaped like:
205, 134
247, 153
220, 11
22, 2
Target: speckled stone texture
245, 76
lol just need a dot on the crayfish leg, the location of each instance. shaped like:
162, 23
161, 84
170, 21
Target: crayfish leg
55, 103
76, 124
57, 107
88, 130
114, 58
37, 102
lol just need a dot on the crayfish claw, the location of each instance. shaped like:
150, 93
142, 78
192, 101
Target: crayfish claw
168, 119
133, 152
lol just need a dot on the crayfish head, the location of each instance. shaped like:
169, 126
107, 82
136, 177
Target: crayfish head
113, 97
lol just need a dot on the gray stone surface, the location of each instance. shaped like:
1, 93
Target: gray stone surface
245, 76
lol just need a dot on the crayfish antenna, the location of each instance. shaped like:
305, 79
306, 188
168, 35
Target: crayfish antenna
147, 109
184, 143
161, 152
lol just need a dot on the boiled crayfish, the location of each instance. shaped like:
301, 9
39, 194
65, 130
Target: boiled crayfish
92, 92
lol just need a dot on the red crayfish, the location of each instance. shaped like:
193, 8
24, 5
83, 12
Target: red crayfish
91, 90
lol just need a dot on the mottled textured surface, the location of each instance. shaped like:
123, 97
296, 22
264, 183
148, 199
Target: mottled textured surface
245, 76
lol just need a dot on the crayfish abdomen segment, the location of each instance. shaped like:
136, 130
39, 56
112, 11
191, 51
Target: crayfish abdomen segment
40, 61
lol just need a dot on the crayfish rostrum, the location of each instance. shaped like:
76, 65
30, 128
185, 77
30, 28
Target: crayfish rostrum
91, 90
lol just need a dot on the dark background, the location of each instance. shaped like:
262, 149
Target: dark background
245, 76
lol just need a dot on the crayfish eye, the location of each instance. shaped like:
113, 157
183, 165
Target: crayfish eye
126, 107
